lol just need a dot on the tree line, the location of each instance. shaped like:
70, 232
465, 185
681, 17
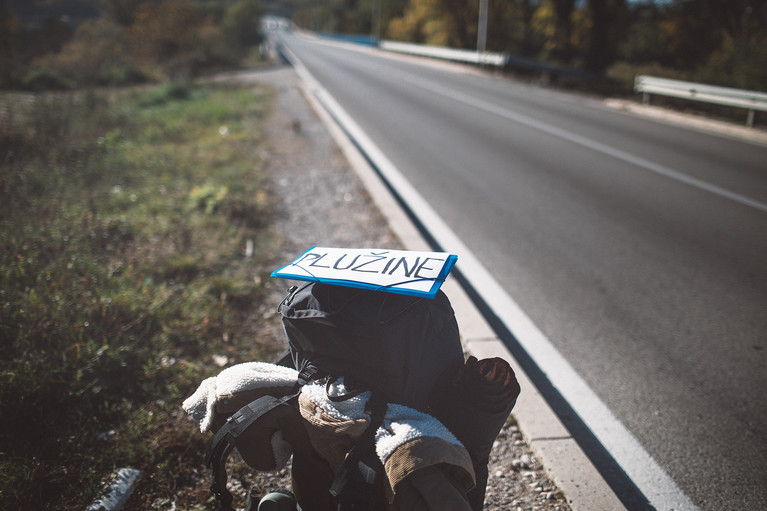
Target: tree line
720, 42
61, 44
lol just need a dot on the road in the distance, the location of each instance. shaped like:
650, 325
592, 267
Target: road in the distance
638, 248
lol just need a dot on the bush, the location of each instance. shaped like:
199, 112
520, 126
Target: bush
739, 63
45, 79
241, 26
156, 41
96, 54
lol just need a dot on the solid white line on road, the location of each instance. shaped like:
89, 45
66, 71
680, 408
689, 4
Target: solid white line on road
654, 483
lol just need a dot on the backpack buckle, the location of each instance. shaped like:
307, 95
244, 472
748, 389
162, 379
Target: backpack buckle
288, 298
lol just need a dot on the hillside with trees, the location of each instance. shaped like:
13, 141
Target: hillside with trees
66, 44
721, 42
71, 43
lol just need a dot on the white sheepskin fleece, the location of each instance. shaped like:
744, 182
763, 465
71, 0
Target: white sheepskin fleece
401, 423
348, 409
238, 378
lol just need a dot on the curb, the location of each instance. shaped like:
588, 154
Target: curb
563, 459
689, 121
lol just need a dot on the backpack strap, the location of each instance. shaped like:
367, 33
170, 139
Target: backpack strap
354, 484
226, 437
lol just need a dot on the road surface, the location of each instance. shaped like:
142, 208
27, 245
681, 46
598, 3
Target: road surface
638, 248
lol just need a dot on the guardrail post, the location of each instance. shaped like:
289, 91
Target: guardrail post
750, 118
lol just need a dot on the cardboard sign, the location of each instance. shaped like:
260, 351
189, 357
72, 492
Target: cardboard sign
392, 271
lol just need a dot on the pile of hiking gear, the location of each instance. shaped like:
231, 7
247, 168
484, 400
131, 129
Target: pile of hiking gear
373, 400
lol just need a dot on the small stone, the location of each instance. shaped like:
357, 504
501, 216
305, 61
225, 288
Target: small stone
524, 462
106, 437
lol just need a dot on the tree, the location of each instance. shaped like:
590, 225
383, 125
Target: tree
526, 10
607, 27
164, 38
121, 12
740, 58
436, 22
563, 13
95, 53
10, 45
240, 26
735, 18
643, 41
510, 27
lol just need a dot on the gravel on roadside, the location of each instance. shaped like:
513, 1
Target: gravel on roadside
321, 202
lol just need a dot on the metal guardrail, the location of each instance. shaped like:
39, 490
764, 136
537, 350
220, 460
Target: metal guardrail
750, 100
503, 60
442, 52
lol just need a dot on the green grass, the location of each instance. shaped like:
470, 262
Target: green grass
123, 220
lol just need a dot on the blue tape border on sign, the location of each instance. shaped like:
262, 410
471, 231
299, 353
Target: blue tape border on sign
431, 293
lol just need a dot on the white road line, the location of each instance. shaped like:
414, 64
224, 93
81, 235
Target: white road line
583, 141
654, 483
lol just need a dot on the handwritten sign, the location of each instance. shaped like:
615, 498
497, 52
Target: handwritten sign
392, 271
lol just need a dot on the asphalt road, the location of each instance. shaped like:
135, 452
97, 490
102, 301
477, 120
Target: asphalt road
638, 248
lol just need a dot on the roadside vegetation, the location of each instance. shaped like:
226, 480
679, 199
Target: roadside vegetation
135, 237
135, 232
70, 44
75, 43
720, 42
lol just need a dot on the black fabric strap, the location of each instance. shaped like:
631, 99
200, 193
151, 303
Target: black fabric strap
226, 437
337, 398
361, 466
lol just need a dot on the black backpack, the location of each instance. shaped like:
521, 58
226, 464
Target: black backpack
401, 347
404, 349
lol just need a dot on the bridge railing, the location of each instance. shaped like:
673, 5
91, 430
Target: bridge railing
442, 52
750, 100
